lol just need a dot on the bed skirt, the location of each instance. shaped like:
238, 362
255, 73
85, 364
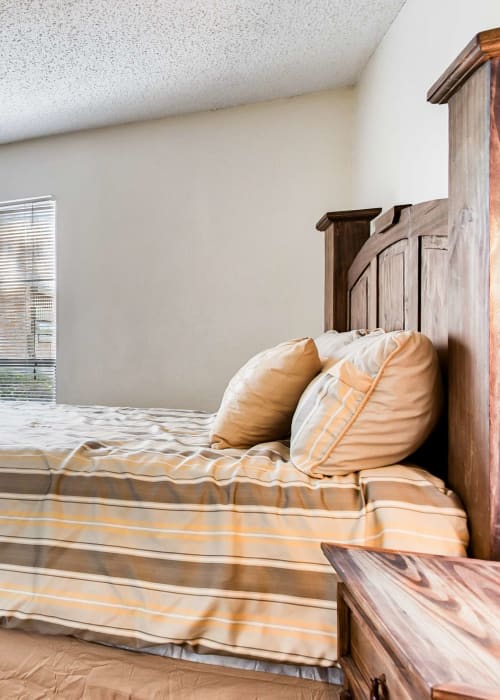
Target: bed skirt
39, 668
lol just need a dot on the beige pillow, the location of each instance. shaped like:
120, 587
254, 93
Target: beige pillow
333, 346
371, 409
260, 399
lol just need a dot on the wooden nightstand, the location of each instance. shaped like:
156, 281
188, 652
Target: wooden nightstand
417, 626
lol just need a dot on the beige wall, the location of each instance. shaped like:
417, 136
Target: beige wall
401, 142
186, 244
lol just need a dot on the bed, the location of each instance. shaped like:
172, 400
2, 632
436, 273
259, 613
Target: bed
124, 526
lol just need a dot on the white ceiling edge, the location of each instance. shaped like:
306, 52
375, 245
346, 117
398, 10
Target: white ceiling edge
67, 65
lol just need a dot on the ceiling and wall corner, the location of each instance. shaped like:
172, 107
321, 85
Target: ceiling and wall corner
401, 141
78, 64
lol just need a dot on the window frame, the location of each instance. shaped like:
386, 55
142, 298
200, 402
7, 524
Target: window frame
43, 368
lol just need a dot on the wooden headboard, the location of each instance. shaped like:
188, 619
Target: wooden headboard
435, 267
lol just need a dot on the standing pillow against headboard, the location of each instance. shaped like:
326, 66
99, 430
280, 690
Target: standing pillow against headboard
333, 346
260, 399
373, 408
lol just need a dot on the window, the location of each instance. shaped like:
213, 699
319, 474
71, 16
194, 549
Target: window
27, 300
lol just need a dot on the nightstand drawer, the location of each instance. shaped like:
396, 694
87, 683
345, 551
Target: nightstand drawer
369, 670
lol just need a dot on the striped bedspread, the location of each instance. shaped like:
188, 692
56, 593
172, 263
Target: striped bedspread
122, 525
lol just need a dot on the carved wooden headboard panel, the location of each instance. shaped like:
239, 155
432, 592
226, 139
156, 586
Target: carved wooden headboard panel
398, 280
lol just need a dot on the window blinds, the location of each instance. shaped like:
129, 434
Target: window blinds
27, 300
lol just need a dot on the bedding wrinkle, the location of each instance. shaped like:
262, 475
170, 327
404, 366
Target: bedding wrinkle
124, 526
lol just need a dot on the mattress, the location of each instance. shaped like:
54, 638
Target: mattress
121, 525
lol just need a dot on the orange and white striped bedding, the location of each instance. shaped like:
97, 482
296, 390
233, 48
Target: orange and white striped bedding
121, 525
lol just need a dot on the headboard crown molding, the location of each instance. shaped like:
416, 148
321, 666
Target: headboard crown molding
483, 47
389, 218
350, 215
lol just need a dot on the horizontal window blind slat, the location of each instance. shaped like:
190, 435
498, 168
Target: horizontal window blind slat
40, 362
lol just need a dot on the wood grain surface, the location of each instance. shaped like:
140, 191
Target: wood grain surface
471, 86
474, 293
494, 307
399, 278
456, 691
439, 616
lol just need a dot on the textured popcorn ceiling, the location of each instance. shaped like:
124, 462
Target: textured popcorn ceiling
75, 64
